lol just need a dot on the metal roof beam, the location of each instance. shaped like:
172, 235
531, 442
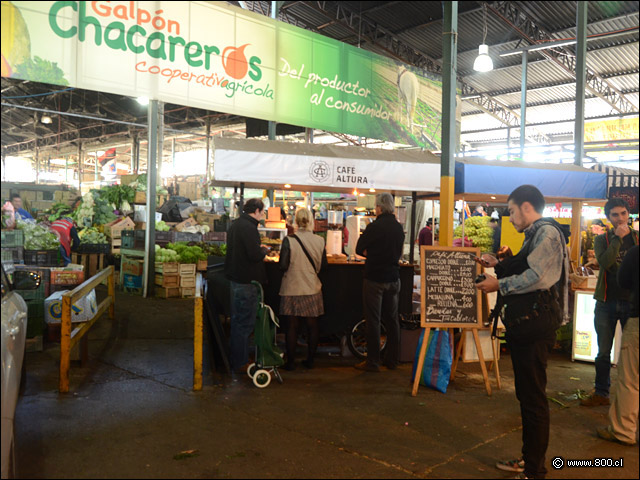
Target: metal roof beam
529, 29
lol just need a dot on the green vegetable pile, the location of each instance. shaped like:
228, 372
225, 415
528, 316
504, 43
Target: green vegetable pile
38, 70
215, 250
162, 227
477, 229
120, 197
92, 236
187, 254
94, 210
37, 236
57, 211
165, 255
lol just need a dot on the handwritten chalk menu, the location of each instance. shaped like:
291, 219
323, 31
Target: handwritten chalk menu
449, 296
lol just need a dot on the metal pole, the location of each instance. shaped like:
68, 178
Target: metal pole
66, 167
207, 176
173, 153
241, 197
447, 158
412, 234
523, 105
160, 140
509, 143
37, 165
150, 231
80, 167
581, 78
95, 170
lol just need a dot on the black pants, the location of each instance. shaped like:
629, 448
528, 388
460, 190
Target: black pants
530, 372
380, 302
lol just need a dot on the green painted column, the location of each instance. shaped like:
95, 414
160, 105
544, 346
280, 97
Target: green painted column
581, 80
447, 158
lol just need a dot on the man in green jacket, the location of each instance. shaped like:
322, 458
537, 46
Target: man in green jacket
612, 301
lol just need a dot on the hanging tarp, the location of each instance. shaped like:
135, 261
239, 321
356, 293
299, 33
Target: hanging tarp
323, 168
479, 178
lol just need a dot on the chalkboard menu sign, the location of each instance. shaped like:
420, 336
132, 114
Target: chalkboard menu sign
449, 296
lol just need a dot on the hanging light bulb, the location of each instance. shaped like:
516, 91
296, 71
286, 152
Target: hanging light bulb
483, 61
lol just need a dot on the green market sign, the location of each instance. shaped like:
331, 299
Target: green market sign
222, 58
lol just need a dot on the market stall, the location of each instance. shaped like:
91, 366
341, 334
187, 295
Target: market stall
324, 168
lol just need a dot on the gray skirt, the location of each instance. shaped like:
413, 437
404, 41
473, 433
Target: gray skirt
302, 305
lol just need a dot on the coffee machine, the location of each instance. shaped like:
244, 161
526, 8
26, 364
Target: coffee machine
334, 232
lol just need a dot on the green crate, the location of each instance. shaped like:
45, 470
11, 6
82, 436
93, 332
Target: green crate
12, 238
38, 294
35, 318
13, 254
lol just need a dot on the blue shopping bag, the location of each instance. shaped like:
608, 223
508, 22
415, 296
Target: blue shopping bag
436, 369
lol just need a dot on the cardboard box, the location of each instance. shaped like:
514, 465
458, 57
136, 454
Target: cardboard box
189, 222
66, 276
207, 219
115, 228
132, 281
132, 266
128, 179
81, 311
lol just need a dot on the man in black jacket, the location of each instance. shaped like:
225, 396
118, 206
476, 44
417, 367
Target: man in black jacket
381, 243
244, 263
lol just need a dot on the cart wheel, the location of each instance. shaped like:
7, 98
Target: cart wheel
261, 378
276, 374
357, 339
251, 370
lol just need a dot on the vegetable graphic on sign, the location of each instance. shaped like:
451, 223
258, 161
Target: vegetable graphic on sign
235, 62
16, 44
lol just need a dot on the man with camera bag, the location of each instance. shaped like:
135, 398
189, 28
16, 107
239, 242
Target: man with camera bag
532, 287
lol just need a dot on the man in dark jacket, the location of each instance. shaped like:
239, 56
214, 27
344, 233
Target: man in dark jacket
612, 301
244, 263
381, 243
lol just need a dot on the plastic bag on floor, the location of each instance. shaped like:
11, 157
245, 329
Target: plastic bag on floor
436, 369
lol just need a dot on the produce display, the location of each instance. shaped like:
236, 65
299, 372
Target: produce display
57, 211
212, 249
94, 210
197, 229
162, 227
38, 236
166, 255
477, 229
92, 236
120, 197
187, 254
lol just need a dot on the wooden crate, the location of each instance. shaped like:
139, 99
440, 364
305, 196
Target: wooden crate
187, 269
167, 268
168, 292
140, 198
115, 228
93, 262
116, 246
201, 266
167, 281
187, 292
187, 281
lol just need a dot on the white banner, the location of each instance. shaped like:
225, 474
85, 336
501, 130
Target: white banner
268, 168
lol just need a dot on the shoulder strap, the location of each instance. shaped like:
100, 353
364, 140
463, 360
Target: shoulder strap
305, 252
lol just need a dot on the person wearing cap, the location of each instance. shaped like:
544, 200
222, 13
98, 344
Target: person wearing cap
382, 244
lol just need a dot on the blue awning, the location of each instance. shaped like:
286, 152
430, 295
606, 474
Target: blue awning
567, 182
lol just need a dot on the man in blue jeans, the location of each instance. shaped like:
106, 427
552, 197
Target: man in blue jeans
381, 243
612, 301
243, 264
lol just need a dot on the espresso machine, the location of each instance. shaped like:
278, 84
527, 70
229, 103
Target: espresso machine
334, 232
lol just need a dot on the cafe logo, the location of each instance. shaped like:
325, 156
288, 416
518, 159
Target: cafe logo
319, 171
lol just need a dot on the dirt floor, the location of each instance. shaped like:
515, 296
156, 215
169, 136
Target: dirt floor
131, 413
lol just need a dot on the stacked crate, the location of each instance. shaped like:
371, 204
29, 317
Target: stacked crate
63, 279
167, 280
35, 308
188, 280
132, 271
114, 230
12, 246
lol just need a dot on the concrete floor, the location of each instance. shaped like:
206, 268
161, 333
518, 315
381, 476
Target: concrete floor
132, 410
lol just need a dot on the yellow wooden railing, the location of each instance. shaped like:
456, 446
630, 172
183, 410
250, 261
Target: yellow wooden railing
197, 344
69, 338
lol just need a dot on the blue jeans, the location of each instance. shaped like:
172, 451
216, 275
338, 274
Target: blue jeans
244, 308
606, 317
65, 258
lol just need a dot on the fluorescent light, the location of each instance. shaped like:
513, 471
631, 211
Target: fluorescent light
538, 46
287, 186
143, 100
483, 62
46, 119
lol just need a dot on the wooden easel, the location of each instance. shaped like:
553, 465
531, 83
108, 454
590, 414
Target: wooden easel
429, 323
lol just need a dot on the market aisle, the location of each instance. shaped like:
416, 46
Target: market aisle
131, 411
